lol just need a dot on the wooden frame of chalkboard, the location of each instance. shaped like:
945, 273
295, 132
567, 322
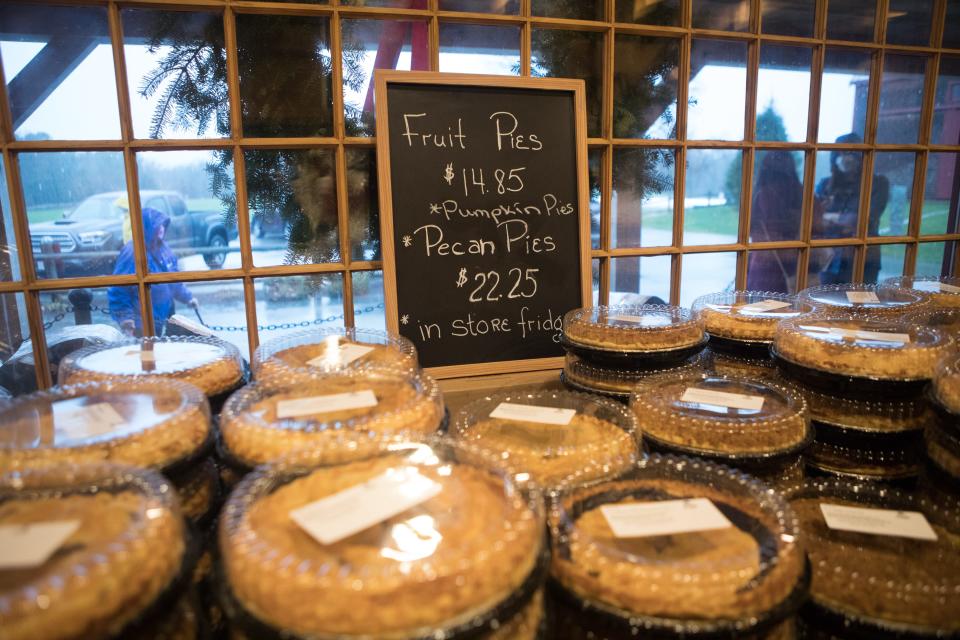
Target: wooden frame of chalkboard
516, 261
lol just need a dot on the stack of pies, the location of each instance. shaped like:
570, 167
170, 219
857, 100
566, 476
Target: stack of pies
744, 322
862, 299
731, 365
943, 292
583, 375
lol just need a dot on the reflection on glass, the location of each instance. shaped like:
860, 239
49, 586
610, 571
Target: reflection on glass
951, 27
572, 54
412, 539
934, 258
704, 273
176, 74
901, 99
718, 89
58, 62
724, 15
772, 270
891, 262
285, 75
712, 201
633, 280
788, 17
292, 202
946, 107
783, 93
594, 159
595, 269
821, 264
194, 192
645, 87
659, 12
851, 19
294, 303
777, 196
220, 307
509, 7
9, 259
943, 170
16, 373
573, 9
908, 22
76, 209
364, 211
642, 208
479, 48
843, 93
368, 312
376, 44
897, 170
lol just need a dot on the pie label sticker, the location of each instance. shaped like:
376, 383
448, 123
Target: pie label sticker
352, 510
862, 297
935, 287
326, 404
145, 356
663, 518
340, 355
644, 321
881, 522
533, 413
724, 399
860, 335
23, 546
85, 421
765, 305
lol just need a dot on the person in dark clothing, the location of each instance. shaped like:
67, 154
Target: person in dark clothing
125, 301
838, 196
775, 216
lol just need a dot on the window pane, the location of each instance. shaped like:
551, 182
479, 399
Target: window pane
711, 205
478, 48
718, 89
645, 87
77, 208
783, 93
364, 204
595, 269
951, 27
16, 373
772, 270
661, 12
830, 265
294, 303
580, 10
285, 75
642, 197
890, 264
705, 273
851, 19
901, 99
777, 196
896, 170
933, 258
837, 194
194, 192
946, 109
725, 15
943, 170
788, 17
368, 309
176, 74
634, 279
9, 258
908, 22
572, 54
843, 94
510, 7
594, 159
376, 44
58, 63
292, 202
221, 309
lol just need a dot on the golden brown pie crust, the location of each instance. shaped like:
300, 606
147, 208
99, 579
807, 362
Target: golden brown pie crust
299, 357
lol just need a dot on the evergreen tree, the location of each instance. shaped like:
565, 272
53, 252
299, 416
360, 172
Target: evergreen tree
770, 128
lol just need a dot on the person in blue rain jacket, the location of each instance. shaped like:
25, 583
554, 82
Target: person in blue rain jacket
125, 300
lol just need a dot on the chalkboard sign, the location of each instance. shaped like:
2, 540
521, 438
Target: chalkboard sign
484, 216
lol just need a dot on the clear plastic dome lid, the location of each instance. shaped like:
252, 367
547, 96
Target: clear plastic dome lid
550, 435
332, 349
708, 413
882, 556
590, 377
439, 537
945, 319
862, 298
139, 421
877, 415
85, 550
726, 364
747, 315
268, 419
678, 540
633, 327
211, 364
883, 462
943, 449
943, 291
946, 383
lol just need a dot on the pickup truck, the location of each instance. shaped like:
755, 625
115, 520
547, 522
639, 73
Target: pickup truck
87, 239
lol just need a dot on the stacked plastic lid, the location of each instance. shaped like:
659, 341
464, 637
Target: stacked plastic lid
943, 292
869, 417
885, 562
944, 319
583, 375
552, 435
214, 366
268, 419
675, 546
745, 322
440, 543
89, 551
946, 385
332, 349
726, 364
862, 299
943, 451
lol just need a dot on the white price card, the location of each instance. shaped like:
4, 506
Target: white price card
935, 287
144, 356
532, 413
764, 306
862, 297
340, 355
23, 546
326, 404
352, 510
881, 522
645, 321
667, 517
722, 399
85, 421
856, 334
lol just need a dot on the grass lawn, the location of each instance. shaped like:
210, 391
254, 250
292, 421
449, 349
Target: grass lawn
46, 214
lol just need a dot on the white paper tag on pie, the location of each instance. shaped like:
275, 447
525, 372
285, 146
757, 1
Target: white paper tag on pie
722, 399
23, 546
190, 325
85, 421
326, 404
145, 356
765, 305
532, 413
352, 510
646, 321
881, 522
935, 287
857, 334
344, 354
862, 297
667, 517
